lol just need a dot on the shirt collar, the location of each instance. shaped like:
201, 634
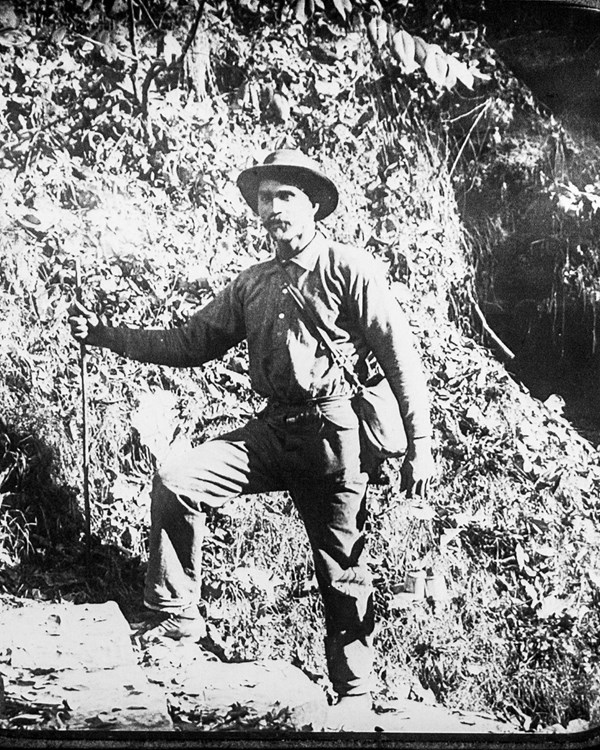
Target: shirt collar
308, 256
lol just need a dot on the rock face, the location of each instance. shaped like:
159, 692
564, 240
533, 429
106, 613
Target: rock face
77, 664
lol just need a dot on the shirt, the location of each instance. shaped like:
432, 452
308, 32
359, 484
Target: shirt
347, 289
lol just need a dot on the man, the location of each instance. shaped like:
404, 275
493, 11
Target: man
306, 440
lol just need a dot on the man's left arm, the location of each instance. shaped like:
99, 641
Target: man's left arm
389, 335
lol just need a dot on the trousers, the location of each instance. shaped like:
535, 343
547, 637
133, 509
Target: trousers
313, 452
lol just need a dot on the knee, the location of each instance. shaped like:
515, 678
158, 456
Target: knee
166, 480
169, 504
166, 475
160, 494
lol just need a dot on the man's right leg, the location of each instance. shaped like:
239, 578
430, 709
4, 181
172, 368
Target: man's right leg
175, 554
241, 462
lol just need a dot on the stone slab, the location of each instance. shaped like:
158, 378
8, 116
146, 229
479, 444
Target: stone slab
78, 661
261, 687
45, 635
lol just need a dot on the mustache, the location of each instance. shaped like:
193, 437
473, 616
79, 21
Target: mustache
276, 222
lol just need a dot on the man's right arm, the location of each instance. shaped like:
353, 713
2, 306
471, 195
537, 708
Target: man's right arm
207, 335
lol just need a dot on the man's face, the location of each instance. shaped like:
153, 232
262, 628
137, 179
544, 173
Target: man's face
286, 212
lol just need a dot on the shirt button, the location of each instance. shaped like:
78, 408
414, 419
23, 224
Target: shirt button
281, 315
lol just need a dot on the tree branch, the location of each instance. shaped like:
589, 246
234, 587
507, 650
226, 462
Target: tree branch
159, 65
144, 7
486, 327
192, 32
131, 26
153, 70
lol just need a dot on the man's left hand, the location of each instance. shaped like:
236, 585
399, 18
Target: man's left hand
418, 469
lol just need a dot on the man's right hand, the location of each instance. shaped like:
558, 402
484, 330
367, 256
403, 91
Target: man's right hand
84, 323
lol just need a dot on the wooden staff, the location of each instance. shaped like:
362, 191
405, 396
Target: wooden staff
86, 461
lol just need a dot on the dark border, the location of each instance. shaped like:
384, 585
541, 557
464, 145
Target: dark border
593, 5
117, 740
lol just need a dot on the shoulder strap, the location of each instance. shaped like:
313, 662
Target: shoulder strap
316, 324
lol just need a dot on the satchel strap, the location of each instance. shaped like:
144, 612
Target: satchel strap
318, 329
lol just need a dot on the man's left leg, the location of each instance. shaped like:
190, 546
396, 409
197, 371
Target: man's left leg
331, 498
334, 517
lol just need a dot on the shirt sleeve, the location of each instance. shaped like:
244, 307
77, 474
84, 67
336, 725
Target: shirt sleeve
207, 335
389, 336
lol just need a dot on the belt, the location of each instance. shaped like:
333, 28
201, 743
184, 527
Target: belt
289, 413
273, 404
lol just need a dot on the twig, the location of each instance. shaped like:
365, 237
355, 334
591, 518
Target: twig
144, 7
486, 327
467, 114
150, 76
468, 136
101, 44
85, 438
192, 32
131, 28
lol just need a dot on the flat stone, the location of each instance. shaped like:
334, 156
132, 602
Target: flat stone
405, 715
78, 661
408, 715
45, 635
261, 687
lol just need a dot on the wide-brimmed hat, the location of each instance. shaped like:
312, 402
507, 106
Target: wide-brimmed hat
294, 167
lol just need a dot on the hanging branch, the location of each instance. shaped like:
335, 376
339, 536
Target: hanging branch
85, 459
192, 33
131, 27
161, 65
153, 71
486, 327
144, 7
485, 108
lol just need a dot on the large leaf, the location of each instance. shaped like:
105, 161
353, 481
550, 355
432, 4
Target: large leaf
421, 47
459, 71
343, 7
403, 49
436, 65
13, 38
377, 31
304, 10
552, 605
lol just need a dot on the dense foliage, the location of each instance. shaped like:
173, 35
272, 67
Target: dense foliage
120, 152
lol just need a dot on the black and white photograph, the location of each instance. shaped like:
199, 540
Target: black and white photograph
299, 373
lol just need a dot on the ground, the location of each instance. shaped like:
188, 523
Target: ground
55, 676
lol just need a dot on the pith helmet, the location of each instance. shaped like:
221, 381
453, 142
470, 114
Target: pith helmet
294, 167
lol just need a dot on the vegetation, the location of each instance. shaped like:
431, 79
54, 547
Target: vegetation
123, 129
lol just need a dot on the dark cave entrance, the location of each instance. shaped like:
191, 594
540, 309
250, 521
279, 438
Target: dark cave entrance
552, 327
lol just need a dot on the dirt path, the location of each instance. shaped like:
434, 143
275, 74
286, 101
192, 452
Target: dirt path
68, 666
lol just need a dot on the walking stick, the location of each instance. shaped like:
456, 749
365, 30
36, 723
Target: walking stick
85, 459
